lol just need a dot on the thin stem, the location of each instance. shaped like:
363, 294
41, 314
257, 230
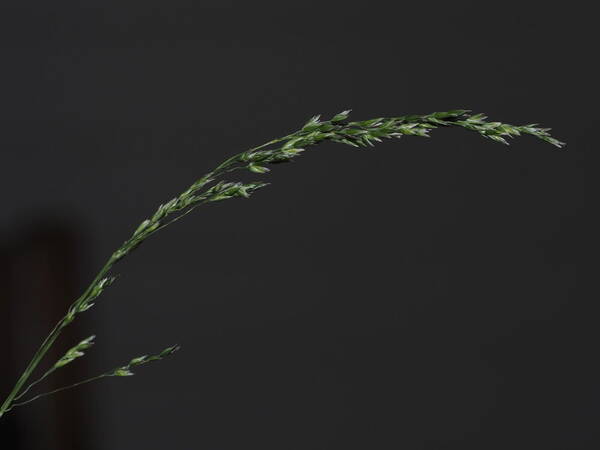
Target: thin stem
121, 371
36, 382
49, 341
6, 406
64, 388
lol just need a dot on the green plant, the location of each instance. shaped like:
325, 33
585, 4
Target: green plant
213, 187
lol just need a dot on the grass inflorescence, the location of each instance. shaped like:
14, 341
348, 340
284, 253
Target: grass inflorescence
215, 186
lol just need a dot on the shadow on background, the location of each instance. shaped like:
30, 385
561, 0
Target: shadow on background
40, 270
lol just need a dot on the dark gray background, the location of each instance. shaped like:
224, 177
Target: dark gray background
427, 294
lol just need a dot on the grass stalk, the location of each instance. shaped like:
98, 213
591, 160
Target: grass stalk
213, 187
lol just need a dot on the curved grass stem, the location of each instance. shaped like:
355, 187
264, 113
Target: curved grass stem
211, 188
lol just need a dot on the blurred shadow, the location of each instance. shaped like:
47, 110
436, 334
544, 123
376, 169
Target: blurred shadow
39, 270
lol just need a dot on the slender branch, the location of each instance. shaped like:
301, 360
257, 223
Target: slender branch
64, 388
36, 382
71, 354
121, 371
